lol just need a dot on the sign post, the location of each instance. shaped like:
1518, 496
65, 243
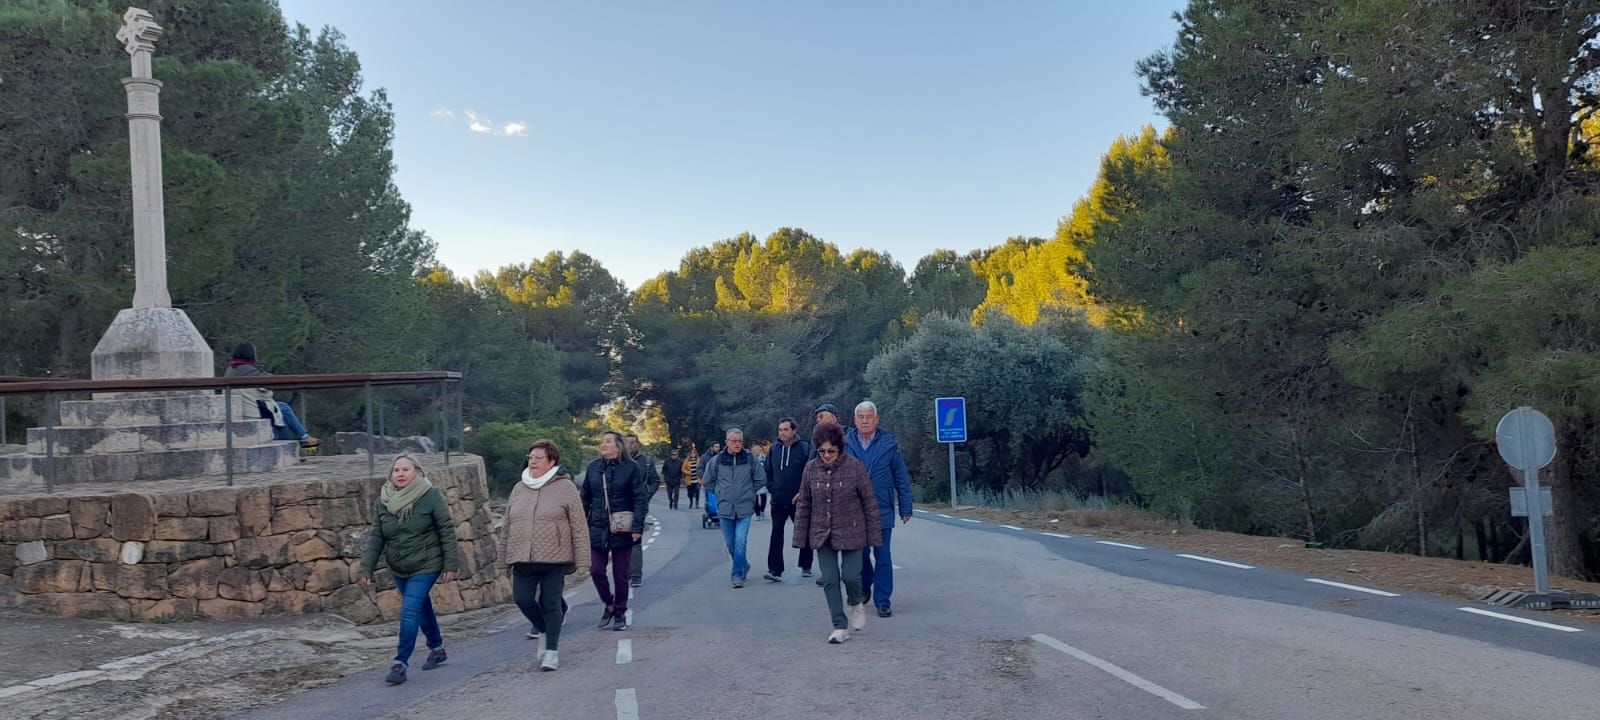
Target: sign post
1527, 442
950, 423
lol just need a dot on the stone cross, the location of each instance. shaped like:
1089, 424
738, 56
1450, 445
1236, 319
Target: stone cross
138, 35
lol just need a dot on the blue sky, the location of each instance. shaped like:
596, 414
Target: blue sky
637, 130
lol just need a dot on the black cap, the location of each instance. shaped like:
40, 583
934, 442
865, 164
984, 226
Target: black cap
826, 407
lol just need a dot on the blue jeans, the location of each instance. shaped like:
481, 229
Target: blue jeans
292, 429
416, 610
879, 581
736, 533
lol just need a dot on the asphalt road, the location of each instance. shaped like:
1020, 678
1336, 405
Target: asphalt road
995, 622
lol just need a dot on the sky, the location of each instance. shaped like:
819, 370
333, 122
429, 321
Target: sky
635, 131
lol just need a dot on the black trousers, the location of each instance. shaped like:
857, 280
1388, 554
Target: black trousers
672, 497
782, 513
536, 587
694, 495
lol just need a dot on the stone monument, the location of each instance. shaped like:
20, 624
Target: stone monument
124, 436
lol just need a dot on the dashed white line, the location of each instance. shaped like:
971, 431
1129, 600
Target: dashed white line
970, 520
1515, 619
137, 660
920, 510
1057, 535
1121, 545
1012, 527
947, 517
624, 652
629, 616
897, 567
1121, 674
64, 678
16, 690
1357, 588
1215, 561
627, 704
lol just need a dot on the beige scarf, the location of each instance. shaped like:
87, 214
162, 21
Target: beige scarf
399, 501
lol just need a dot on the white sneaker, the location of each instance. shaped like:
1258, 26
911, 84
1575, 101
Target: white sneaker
858, 617
838, 637
551, 662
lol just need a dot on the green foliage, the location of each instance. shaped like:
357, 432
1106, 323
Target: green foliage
504, 448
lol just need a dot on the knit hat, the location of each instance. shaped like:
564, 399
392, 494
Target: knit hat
826, 407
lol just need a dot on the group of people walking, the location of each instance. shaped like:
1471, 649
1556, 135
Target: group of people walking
842, 491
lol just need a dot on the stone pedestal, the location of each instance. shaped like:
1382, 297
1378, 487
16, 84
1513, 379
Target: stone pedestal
144, 343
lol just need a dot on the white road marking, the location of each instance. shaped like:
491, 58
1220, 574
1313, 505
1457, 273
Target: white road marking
65, 678
16, 690
970, 520
571, 594
1515, 619
138, 660
1356, 588
920, 510
947, 517
1057, 535
1012, 527
897, 567
624, 652
629, 616
1121, 545
1121, 674
627, 704
1055, 520
1203, 558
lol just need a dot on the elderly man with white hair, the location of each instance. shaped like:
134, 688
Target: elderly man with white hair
891, 482
736, 477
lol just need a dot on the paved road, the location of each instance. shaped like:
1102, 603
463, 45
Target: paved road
992, 622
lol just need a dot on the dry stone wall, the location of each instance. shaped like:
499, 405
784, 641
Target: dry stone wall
230, 552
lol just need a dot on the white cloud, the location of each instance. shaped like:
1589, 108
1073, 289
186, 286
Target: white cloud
482, 125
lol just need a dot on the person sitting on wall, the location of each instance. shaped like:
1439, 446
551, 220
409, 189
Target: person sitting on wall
258, 402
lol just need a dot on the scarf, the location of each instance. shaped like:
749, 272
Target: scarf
398, 501
236, 363
538, 482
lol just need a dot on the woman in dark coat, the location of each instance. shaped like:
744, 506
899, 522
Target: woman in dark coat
837, 516
611, 485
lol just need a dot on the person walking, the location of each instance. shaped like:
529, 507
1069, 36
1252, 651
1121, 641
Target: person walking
611, 495
414, 534
826, 413
837, 516
259, 403
672, 474
546, 530
691, 473
649, 483
786, 465
735, 478
891, 482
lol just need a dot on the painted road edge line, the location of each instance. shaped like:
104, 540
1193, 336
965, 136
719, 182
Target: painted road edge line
1524, 621
1203, 558
627, 703
1120, 674
1357, 588
1122, 545
1012, 527
947, 517
1057, 535
970, 520
624, 652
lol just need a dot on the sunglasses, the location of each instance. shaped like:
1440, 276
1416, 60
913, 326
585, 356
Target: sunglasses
828, 451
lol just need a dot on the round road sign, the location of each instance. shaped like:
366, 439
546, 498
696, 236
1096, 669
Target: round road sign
1526, 438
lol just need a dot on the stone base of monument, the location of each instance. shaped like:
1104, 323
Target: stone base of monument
275, 543
144, 343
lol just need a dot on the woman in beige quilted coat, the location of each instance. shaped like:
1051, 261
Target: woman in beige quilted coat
546, 532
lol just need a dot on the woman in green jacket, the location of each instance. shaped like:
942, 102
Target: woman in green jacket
413, 532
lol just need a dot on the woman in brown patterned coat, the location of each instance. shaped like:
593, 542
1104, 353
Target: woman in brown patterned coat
837, 516
546, 533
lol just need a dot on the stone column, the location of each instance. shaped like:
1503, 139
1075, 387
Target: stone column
152, 339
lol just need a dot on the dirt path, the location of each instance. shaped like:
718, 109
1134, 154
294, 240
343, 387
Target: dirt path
1466, 580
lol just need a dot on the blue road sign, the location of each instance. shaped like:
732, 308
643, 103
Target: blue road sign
950, 419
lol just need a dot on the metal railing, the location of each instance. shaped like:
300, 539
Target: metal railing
442, 381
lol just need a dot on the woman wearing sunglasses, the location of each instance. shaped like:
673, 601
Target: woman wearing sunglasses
836, 515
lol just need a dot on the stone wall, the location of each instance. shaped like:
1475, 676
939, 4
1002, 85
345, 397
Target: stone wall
230, 552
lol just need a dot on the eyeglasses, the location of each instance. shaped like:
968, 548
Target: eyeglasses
828, 451
535, 457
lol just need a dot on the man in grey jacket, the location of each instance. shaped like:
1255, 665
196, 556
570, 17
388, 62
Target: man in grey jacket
735, 477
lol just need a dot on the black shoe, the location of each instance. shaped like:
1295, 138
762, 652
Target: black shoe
435, 659
636, 582
770, 577
820, 583
605, 620
884, 611
622, 624
397, 674
805, 572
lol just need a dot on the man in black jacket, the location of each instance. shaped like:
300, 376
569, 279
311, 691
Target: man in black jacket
786, 463
647, 490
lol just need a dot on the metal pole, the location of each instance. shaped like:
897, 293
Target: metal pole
372, 465
381, 431
227, 425
444, 425
2, 420
304, 418
952, 447
1541, 570
49, 443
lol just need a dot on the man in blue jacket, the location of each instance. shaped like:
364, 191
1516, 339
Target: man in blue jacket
891, 482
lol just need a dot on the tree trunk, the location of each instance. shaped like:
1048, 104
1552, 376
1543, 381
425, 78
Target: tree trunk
1563, 529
